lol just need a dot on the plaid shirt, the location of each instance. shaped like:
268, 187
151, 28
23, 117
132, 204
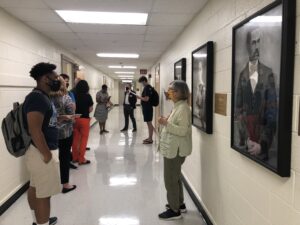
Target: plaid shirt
64, 106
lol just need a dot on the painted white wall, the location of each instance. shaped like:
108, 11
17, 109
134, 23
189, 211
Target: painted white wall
233, 189
20, 48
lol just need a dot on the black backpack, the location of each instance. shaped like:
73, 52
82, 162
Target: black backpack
16, 136
154, 98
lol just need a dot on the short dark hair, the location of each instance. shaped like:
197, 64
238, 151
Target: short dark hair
143, 79
104, 87
82, 87
41, 69
65, 76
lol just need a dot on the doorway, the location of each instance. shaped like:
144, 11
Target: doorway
69, 67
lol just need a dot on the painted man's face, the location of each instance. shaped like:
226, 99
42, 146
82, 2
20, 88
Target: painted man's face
254, 45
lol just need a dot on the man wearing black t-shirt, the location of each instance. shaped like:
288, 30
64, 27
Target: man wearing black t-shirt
147, 107
42, 156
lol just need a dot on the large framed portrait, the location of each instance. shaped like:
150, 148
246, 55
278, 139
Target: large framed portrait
262, 86
202, 87
180, 69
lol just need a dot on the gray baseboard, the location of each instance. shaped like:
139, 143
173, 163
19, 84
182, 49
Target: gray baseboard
196, 201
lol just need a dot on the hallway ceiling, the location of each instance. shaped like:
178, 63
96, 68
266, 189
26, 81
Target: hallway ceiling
166, 20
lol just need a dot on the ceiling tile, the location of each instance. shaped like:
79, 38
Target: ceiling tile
170, 30
50, 27
111, 37
102, 5
169, 19
122, 46
69, 43
159, 37
121, 29
34, 15
84, 28
178, 6
156, 48
61, 35
34, 4
155, 44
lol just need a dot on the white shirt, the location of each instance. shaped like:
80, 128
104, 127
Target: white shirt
127, 98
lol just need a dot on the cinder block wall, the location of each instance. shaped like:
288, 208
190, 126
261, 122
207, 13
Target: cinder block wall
233, 189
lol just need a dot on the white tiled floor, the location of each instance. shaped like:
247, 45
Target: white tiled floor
123, 185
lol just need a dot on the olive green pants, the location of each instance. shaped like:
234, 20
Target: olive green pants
173, 184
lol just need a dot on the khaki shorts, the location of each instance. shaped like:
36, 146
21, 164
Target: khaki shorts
44, 177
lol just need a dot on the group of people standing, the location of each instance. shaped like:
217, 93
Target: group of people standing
58, 120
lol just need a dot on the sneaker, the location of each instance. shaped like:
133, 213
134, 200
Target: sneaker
52, 221
170, 215
182, 208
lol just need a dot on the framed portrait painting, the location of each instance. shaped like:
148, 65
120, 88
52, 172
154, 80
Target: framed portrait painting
262, 86
180, 69
202, 87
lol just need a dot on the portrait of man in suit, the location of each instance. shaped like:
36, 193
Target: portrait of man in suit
256, 103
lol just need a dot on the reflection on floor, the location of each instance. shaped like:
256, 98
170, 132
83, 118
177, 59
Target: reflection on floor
123, 185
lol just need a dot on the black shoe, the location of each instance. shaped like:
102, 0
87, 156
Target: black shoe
72, 166
123, 130
87, 148
134, 130
66, 190
170, 215
105, 131
52, 221
182, 208
85, 162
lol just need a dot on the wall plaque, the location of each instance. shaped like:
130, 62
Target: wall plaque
221, 104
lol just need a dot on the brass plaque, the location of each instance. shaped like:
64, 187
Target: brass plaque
221, 104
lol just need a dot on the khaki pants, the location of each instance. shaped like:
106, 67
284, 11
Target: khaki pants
173, 184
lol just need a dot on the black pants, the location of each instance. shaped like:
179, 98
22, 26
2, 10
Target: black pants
129, 112
64, 146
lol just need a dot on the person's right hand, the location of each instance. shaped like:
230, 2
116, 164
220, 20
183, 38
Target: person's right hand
47, 157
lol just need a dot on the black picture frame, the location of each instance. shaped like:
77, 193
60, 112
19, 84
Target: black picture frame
180, 69
202, 87
261, 104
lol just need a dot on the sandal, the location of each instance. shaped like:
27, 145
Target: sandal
148, 142
147, 139
85, 162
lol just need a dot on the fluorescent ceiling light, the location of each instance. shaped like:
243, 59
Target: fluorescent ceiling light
124, 72
71, 16
178, 67
126, 81
199, 55
125, 78
124, 75
267, 19
122, 67
118, 55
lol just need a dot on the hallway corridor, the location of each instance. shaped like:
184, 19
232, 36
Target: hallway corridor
122, 186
